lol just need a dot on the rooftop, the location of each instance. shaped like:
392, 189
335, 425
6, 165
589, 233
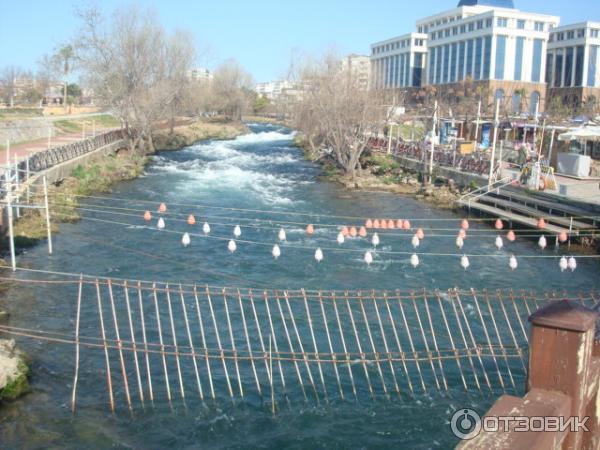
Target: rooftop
497, 3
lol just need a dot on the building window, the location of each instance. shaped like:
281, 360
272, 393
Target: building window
454, 31
558, 68
581, 33
549, 67
594, 33
568, 67
461, 61
469, 59
447, 32
536, 66
463, 28
480, 24
417, 70
519, 58
488, 23
500, 57
593, 61
487, 57
432, 60
438, 68
570, 34
521, 24
478, 58
499, 96
579, 54
453, 63
446, 75
502, 22
539, 26
516, 103
534, 101
471, 26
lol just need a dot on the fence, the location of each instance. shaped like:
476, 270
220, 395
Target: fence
160, 342
17, 173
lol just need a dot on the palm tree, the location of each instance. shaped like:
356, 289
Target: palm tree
64, 58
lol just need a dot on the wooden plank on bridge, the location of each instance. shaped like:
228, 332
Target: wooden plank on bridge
511, 216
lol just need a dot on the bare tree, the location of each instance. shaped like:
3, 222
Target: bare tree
135, 68
335, 114
9, 78
231, 89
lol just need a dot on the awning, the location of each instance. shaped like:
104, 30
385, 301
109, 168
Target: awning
581, 134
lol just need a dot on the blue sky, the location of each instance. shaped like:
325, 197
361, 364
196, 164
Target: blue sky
261, 34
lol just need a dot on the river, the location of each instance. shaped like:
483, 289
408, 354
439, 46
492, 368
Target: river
261, 182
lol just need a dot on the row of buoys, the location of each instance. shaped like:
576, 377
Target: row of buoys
388, 224
564, 263
354, 231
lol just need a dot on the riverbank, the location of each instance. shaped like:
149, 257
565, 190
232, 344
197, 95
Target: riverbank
14, 372
382, 173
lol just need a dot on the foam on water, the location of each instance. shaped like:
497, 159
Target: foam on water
227, 166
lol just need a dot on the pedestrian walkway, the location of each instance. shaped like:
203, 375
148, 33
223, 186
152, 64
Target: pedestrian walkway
24, 149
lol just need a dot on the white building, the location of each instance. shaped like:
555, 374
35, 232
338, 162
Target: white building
200, 74
399, 62
359, 67
573, 62
273, 89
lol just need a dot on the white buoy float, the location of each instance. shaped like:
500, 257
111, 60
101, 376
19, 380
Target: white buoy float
185, 240
237, 231
160, 224
563, 264
572, 263
414, 260
464, 262
416, 241
231, 246
543, 243
319, 255
340, 238
375, 240
512, 263
368, 258
499, 243
206, 228
282, 236
460, 242
276, 251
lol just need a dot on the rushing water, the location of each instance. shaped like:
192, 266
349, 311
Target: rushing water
257, 172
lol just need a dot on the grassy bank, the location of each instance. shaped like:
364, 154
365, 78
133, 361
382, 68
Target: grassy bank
78, 125
261, 119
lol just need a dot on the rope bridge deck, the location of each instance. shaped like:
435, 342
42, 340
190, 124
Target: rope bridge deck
155, 342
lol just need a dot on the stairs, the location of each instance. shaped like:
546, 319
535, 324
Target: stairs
515, 205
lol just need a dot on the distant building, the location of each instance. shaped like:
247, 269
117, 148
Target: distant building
573, 63
359, 67
399, 62
274, 89
200, 74
499, 48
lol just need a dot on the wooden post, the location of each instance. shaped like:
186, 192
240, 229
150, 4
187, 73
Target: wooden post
561, 360
48, 227
11, 235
